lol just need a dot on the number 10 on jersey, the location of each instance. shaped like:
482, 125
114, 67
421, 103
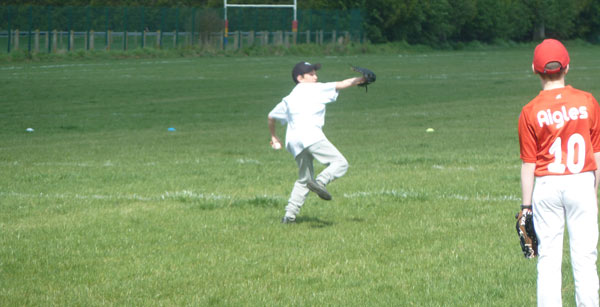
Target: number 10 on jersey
575, 155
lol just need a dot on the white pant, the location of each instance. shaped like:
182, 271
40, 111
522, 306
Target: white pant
326, 154
572, 197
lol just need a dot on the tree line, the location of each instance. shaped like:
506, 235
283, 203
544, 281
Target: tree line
431, 22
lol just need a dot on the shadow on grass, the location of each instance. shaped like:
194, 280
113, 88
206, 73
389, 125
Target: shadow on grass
357, 220
205, 202
313, 222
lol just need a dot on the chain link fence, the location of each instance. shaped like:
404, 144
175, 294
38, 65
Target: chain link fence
69, 28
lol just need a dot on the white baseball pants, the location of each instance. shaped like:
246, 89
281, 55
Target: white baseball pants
326, 154
572, 197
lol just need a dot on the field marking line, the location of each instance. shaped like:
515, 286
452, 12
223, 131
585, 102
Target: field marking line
248, 161
77, 65
191, 195
453, 168
454, 196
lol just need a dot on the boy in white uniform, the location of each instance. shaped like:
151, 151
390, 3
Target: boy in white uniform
303, 110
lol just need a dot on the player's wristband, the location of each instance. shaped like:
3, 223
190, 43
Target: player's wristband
525, 207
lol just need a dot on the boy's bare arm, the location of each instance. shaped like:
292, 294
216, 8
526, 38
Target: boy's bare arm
340, 85
527, 181
274, 137
597, 172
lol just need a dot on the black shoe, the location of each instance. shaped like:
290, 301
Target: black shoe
319, 188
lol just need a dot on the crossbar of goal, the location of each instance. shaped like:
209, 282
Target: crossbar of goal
261, 5
292, 6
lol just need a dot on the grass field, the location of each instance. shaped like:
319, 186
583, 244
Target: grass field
101, 205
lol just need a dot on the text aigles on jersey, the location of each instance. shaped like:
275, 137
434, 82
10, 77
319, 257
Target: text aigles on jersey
559, 117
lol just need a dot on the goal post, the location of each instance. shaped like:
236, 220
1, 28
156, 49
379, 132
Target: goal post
226, 5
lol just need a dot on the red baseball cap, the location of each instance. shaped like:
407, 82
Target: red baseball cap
550, 50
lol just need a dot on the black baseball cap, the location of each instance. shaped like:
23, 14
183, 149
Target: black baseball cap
303, 68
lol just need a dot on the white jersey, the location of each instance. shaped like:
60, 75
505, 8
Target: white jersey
304, 112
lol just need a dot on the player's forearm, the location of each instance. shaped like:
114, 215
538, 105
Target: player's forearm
597, 172
340, 85
527, 181
272, 127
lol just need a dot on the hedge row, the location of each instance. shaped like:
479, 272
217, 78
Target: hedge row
431, 22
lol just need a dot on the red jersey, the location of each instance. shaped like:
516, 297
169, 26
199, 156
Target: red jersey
559, 131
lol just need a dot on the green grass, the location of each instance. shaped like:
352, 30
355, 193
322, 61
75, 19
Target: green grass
101, 205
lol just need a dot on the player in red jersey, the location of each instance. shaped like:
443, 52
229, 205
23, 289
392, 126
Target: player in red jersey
559, 136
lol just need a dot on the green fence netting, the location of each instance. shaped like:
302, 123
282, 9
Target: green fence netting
68, 28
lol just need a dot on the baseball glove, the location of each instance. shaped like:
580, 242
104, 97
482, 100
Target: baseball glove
367, 74
526, 232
